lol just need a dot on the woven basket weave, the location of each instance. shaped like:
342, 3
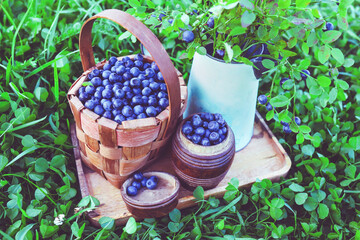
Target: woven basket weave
115, 151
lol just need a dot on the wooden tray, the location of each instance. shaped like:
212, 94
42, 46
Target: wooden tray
262, 158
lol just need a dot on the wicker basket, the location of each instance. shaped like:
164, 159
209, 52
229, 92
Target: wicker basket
115, 151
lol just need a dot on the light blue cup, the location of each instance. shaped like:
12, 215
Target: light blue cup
227, 88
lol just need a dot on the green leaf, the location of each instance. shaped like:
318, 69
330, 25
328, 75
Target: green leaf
332, 95
276, 213
279, 101
353, 141
130, 226
308, 149
107, 222
22, 233
124, 35
237, 31
201, 50
28, 141
267, 63
342, 22
270, 115
229, 51
330, 36
199, 193
41, 165
323, 81
247, 4
284, 3
312, 39
3, 162
47, 230
4, 106
175, 227
150, 4
338, 55
134, 3
300, 198
304, 129
175, 215
277, 203
247, 19
323, 211
296, 187
324, 54
41, 94
61, 139
40, 193
302, 3
185, 19
344, 85
310, 204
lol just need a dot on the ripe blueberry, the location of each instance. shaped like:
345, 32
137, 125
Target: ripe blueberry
107, 93
138, 109
188, 36
151, 183
282, 81
329, 26
213, 126
297, 120
151, 111
287, 129
205, 142
96, 81
136, 184
106, 74
211, 22
195, 139
262, 99
269, 107
119, 118
112, 60
214, 136
99, 110
304, 74
187, 129
127, 111
154, 86
107, 114
163, 102
131, 190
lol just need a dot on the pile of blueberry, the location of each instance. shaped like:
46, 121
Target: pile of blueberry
125, 90
205, 129
141, 181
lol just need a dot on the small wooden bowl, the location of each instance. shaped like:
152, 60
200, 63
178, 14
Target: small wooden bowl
198, 165
153, 203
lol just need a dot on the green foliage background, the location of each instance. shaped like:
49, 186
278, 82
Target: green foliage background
39, 61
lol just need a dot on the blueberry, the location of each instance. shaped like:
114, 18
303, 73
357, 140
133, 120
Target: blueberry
105, 82
100, 88
127, 111
107, 105
207, 133
126, 59
129, 64
145, 83
213, 126
149, 72
144, 100
141, 115
118, 103
113, 78
136, 184
83, 96
137, 91
118, 63
112, 60
109, 86
287, 129
119, 118
99, 110
282, 81
160, 77
138, 64
146, 91
150, 111
116, 112
269, 107
171, 20
119, 93
214, 136
135, 71
117, 86
106, 74
103, 100
107, 93
151, 183
139, 57
195, 139
138, 109
146, 65
96, 100
81, 89
205, 142
205, 124
90, 104
138, 176
113, 69
200, 131
107, 66
127, 76
120, 70
209, 117
188, 36
163, 102
95, 72
96, 81
197, 122
284, 123
161, 15
329, 26
154, 86
163, 87
90, 89
154, 67
262, 99
224, 130
187, 129
210, 23
158, 109
152, 102
219, 54
131, 190
221, 121
297, 120
126, 89
107, 114
143, 181
304, 74
136, 100
135, 83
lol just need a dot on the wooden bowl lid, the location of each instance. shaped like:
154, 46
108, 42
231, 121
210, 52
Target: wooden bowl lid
167, 190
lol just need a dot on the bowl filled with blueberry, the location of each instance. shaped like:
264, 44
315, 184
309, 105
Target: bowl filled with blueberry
203, 149
125, 108
151, 194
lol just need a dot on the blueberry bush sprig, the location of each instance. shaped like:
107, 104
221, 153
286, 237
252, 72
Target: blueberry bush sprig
139, 182
205, 129
125, 90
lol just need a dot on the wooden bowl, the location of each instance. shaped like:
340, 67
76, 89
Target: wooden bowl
198, 165
153, 203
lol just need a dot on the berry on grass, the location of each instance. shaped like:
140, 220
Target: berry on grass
269, 107
210, 23
262, 99
297, 120
188, 36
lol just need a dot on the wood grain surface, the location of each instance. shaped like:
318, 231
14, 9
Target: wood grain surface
262, 158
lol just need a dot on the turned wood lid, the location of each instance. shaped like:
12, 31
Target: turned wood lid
166, 191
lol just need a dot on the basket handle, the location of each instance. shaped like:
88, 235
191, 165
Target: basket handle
151, 43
